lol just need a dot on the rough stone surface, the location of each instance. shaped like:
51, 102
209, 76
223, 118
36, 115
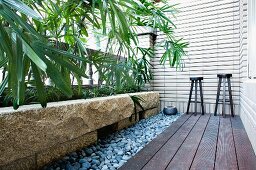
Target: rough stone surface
59, 150
32, 129
127, 122
148, 113
151, 100
27, 163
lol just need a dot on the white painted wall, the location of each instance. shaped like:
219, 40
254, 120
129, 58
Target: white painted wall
248, 109
252, 38
212, 29
247, 69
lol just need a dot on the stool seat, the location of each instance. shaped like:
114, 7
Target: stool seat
196, 78
224, 75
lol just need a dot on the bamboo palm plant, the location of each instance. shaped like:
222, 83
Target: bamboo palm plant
46, 39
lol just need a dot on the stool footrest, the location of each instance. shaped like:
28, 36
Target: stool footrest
221, 101
195, 102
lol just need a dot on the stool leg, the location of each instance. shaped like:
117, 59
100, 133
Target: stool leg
224, 98
218, 96
190, 94
230, 97
196, 97
201, 95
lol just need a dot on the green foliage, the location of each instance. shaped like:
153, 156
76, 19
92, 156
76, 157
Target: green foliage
137, 102
53, 94
25, 50
45, 39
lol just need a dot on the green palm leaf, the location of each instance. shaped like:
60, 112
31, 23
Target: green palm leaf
39, 85
21, 7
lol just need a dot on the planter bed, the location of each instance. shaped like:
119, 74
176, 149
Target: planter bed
114, 150
32, 136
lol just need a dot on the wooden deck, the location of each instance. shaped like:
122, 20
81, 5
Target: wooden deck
200, 143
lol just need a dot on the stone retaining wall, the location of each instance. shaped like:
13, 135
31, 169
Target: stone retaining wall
33, 136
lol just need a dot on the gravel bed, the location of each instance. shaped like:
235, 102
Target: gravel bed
114, 150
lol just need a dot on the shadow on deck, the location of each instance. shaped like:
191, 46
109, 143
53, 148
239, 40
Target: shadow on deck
198, 142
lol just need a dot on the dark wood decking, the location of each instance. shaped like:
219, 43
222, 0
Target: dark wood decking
198, 143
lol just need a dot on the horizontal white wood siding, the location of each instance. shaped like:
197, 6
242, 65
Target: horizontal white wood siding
251, 38
248, 87
212, 29
243, 52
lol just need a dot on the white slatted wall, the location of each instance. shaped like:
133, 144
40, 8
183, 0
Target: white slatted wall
243, 53
247, 88
212, 29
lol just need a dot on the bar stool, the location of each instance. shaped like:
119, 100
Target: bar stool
196, 80
226, 79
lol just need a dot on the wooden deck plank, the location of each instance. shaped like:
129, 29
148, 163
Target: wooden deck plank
205, 155
226, 154
141, 158
245, 156
224, 145
188, 149
167, 152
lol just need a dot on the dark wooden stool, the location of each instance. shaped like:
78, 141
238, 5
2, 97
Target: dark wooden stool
226, 79
196, 80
